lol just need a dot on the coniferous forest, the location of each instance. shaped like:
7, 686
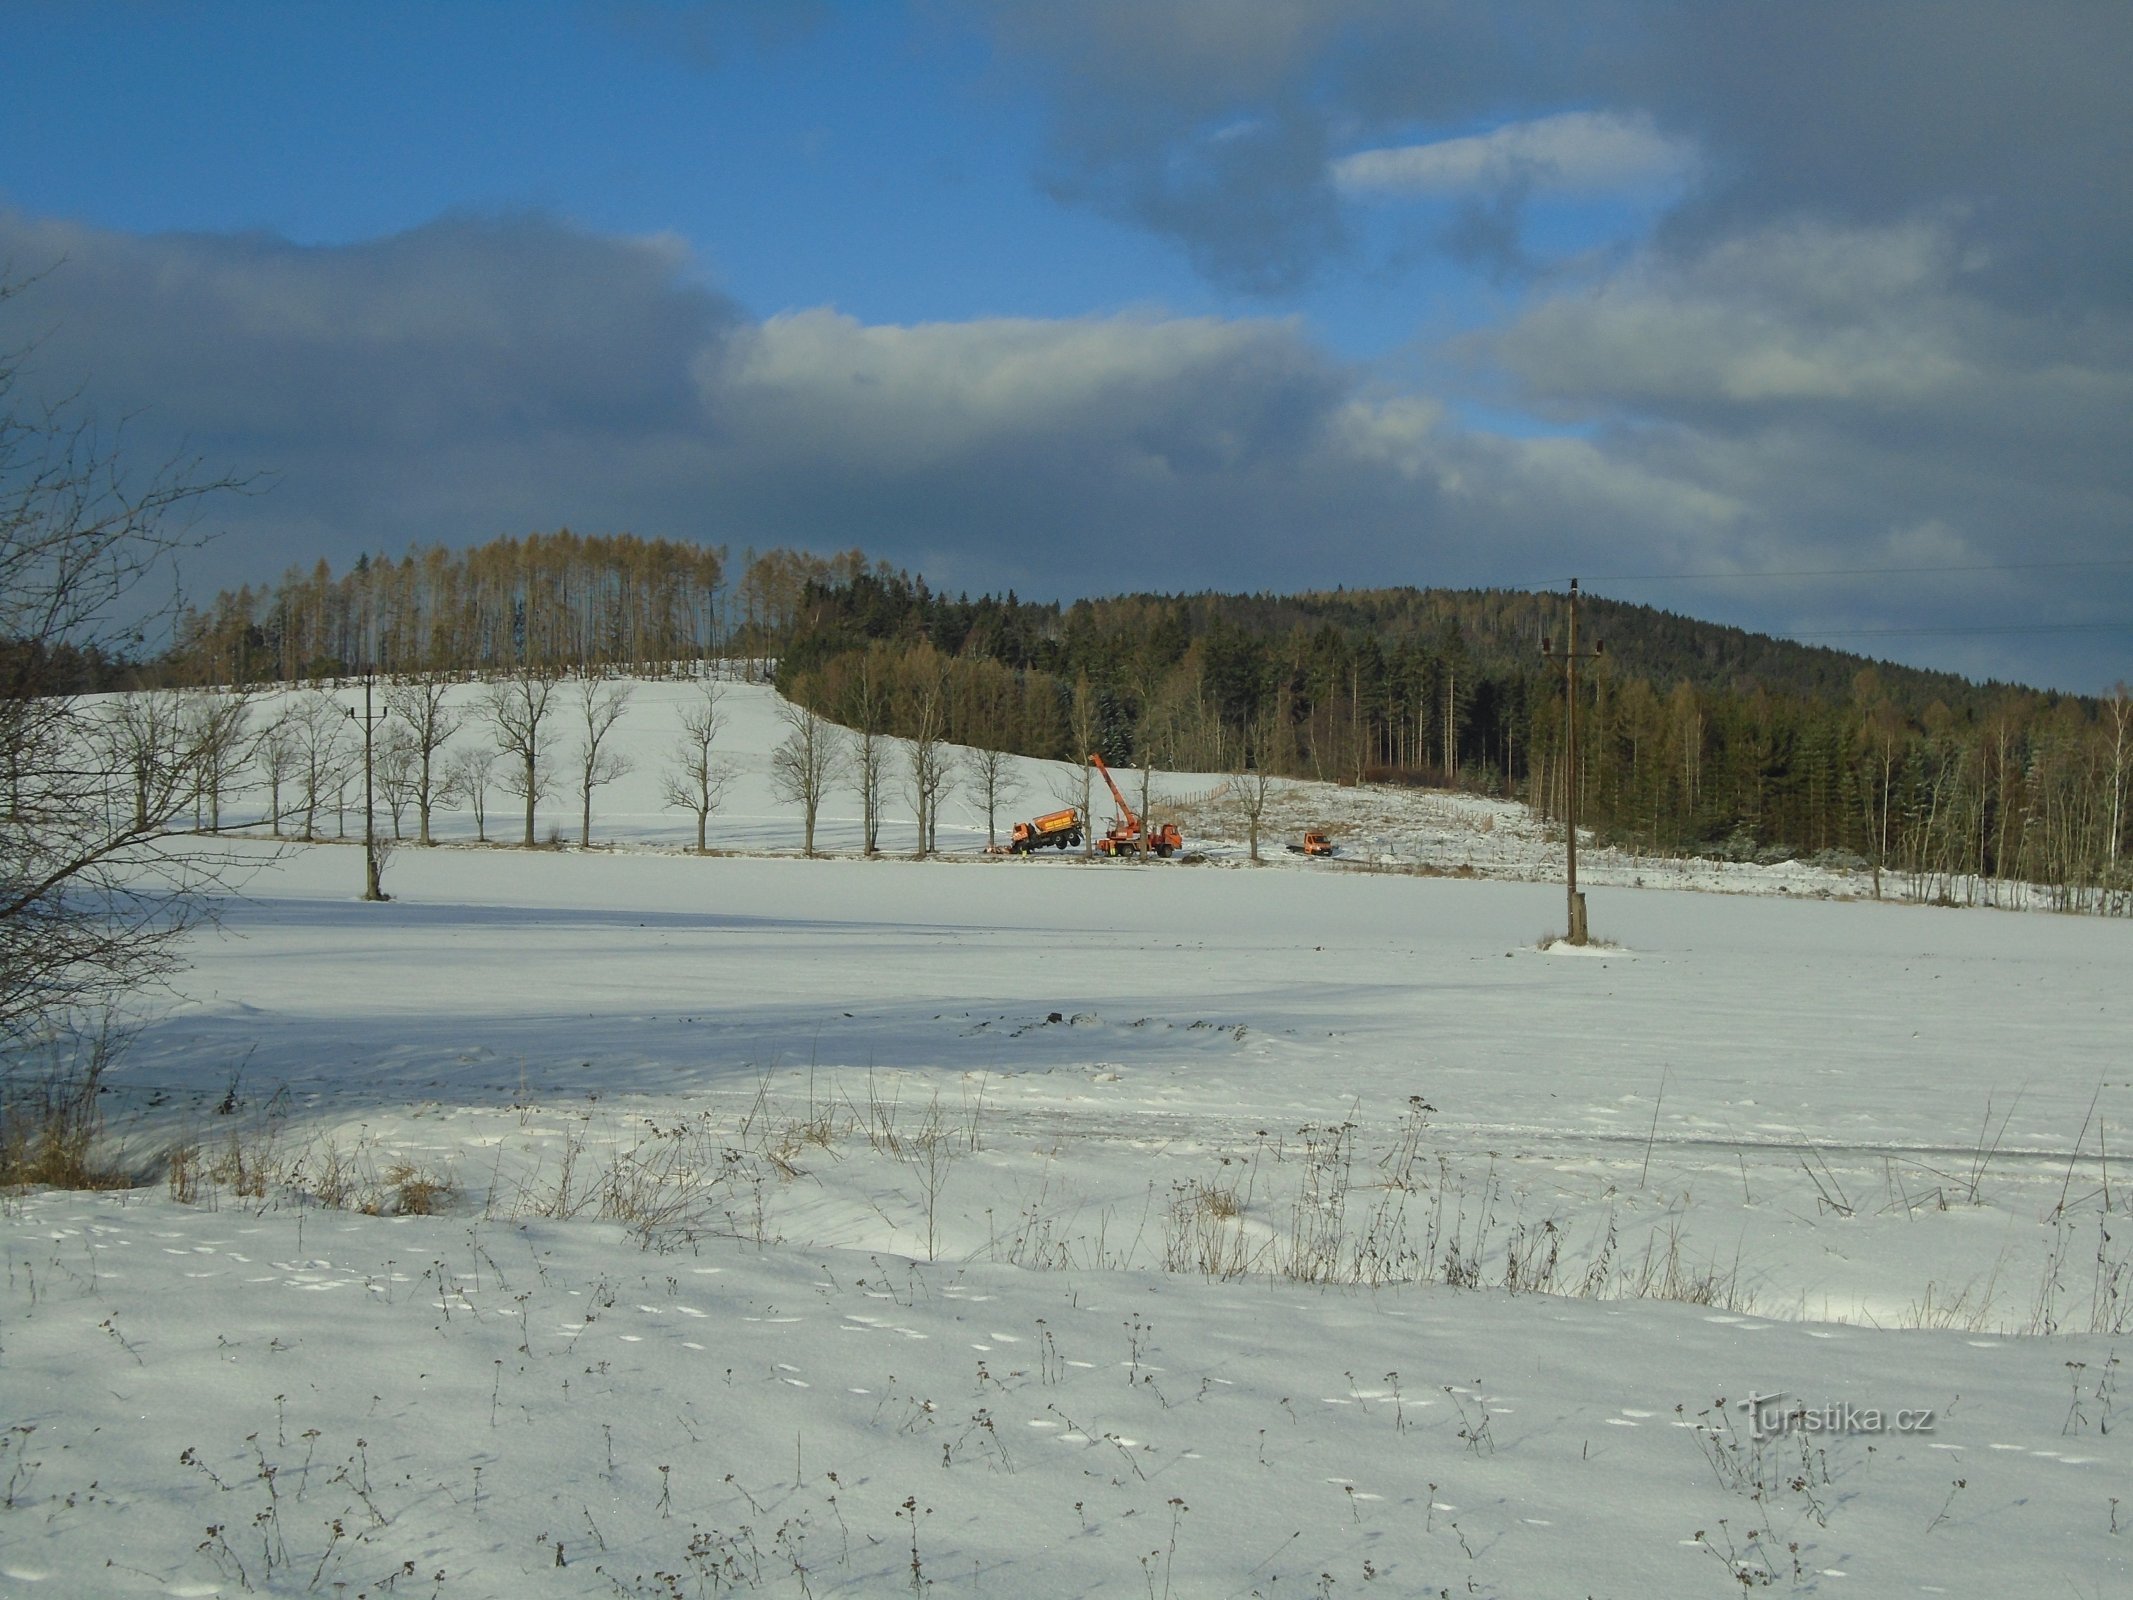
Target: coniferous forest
1693, 737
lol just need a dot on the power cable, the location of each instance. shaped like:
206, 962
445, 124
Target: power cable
2013, 627
1837, 572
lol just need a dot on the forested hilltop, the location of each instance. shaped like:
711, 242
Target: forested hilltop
1693, 737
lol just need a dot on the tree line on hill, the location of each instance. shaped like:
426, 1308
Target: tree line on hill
1693, 738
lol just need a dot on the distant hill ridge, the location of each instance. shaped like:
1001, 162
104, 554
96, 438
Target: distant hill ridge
1693, 735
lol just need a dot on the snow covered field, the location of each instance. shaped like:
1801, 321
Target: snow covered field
1045, 1228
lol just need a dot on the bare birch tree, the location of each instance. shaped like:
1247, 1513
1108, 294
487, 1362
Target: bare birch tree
398, 771
2118, 712
216, 723
467, 776
997, 780
518, 708
1084, 726
866, 707
318, 733
601, 704
422, 707
929, 773
1251, 785
692, 782
805, 765
275, 753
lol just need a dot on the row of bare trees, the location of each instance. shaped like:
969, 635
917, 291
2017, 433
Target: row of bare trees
818, 757
563, 600
523, 736
526, 737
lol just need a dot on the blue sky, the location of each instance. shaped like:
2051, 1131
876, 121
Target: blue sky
1348, 291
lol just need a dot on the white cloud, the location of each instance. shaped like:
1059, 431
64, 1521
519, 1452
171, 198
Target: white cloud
1577, 152
1856, 321
914, 396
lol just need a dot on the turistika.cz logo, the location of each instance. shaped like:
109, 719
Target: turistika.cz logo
1771, 1416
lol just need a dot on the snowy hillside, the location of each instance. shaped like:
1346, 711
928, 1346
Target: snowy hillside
623, 1221
1377, 828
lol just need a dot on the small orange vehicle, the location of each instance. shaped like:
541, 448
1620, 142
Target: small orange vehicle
1128, 835
1315, 844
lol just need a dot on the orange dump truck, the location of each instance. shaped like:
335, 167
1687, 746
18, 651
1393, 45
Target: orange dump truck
1059, 830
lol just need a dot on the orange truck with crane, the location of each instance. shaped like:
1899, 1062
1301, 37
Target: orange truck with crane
1129, 835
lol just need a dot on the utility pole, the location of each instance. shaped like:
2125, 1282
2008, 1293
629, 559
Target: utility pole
371, 891
1570, 657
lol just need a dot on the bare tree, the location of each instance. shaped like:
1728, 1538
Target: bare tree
466, 778
518, 708
1085, 726
275, 752
601, 703
80, 536
318, 733
994, 775
805, 764
216, 721
2118, 708
1881, 742
929, 775
691, 782
928, 771
990, 724
420, 704
398, 773
866, 707
1251, 786
142, 735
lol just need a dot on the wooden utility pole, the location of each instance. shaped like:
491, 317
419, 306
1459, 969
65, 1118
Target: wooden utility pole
371, 890
1570, 656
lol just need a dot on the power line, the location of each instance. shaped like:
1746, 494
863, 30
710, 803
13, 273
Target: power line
1839, 572
2014, 627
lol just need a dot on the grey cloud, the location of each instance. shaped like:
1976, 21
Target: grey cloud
1869, 113
1873, 332
466, 326
1828, 108
482, 377
1889, 321
1864, 406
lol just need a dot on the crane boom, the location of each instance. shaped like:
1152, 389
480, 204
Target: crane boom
1130, 835
1125, 812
